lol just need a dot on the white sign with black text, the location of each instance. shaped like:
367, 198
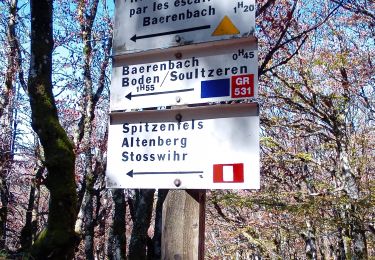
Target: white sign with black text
198, 77
145, 25
214, 147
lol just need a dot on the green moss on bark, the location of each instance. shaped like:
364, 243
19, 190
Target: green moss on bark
58, 240
54, 244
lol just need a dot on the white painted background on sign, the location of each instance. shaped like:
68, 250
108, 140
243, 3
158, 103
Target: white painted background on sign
134, 18
229, 140
133, 85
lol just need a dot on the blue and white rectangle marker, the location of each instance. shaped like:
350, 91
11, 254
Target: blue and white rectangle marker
215, 88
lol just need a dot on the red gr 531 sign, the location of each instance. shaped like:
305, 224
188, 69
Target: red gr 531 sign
242, 86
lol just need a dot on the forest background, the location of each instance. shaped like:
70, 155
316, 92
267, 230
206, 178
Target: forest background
317, 90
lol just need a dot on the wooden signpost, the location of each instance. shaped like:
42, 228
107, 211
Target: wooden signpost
185, 56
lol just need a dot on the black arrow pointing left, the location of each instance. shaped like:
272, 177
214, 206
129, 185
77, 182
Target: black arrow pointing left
132, 173
130, 95
135, 37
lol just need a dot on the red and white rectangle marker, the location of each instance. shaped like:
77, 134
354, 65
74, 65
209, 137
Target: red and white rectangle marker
228, 173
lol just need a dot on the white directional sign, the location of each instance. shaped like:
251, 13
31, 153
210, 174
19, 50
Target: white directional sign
144, 25
198, 77
215, 147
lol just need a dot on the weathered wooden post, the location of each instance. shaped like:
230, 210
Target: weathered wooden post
184, 225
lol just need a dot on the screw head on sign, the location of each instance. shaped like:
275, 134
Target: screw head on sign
178, 117
177, 38
177, 182
178, 55
178, 99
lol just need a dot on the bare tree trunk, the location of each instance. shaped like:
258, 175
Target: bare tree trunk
28, 231
158, 229
359, 243
3, 210
6, 92
87, 12
7, 132
141, 222
117, 239
5, 168
309, 236
354, 241
89, 227
101, 220
356, 230
3, 214
340, 253
310, 242
87, 205
58, 239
